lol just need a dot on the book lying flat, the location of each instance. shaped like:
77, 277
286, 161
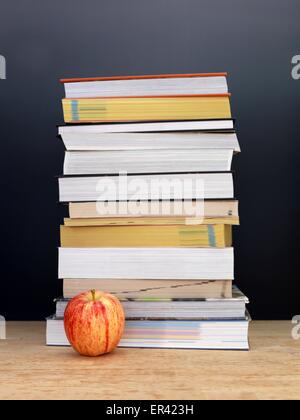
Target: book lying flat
173, 140
151, 289
147, 85
192, 236
162, 308
173, 334
158, 209
151, 221
184, 334
147, 187
147, 161
71, 132
147, 263
156, 108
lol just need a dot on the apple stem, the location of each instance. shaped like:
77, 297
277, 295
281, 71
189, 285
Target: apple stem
94, 294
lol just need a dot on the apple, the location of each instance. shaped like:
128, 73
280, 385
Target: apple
94, 323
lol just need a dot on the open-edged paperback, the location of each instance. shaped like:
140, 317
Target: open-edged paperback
123, 187
121, 213
178, 308
86, 138
147, 263
151, 289
150, 108
188, 236
174, 334
147, 161
72, 133
146, 85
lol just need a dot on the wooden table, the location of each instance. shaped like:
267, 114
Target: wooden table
271, 370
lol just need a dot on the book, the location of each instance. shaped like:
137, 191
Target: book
151, 207
147, 85
177, 308
180, 334
151, 221
147, 263
147, 161
155, 209
159, 108
187, 334
192, 236
86, 140
146, 187
70, 132
151, 289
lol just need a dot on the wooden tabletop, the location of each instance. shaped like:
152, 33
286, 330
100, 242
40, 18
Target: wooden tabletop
271, 370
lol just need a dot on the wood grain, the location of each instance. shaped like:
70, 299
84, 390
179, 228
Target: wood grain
271, 370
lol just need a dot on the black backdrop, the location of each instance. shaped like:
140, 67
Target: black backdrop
253, 40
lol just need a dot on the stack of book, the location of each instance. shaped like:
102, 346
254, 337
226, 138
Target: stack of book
148, 182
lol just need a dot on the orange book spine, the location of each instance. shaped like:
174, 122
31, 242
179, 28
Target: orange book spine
207, 95
150, 76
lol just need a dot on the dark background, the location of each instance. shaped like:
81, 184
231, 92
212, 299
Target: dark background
253, 40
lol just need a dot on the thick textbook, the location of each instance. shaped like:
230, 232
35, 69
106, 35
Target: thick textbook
146, 85
147, 263
156, 108
151, 289
147, 161
147, 187
192, 236
88, 140
180, 334
187, 334
178, 308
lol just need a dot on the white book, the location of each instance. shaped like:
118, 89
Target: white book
147, 263
147, 87
147, 161
180, 308
86, 140
181, 334
147, 187
144, 127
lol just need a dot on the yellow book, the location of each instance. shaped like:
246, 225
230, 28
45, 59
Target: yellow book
195, 236
161, 108
151, 221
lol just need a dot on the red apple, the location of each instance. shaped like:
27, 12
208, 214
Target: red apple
94, 323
